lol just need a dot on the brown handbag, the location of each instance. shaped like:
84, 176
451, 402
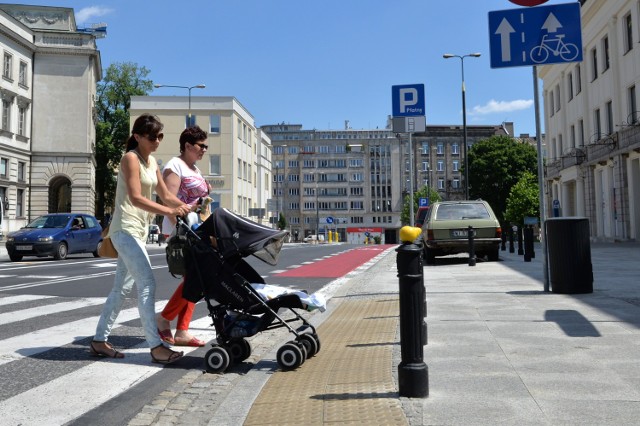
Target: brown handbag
107, 249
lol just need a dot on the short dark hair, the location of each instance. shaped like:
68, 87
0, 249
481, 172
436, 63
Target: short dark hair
145, 125
192, 135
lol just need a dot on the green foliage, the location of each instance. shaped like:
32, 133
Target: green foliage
424, 192
114, 91
282, 222
495, 166
523, 199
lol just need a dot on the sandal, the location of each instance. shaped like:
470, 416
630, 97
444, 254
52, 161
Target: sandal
194, 342
104, 353
173, 356
166, 336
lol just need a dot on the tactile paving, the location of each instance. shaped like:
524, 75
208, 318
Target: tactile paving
349, 381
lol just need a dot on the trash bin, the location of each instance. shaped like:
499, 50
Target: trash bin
569, 250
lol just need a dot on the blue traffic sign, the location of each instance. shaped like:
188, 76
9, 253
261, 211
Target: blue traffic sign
408, 100
423, 202
329, 220
535, 35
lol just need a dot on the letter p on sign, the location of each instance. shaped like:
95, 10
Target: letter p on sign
408, 98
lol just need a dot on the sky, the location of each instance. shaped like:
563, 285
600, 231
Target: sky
319, 63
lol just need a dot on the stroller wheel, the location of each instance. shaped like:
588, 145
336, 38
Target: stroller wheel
290, 356
217, 359
239, 349
310, 344
317, 339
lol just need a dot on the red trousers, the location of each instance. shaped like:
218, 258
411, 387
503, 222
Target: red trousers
179, 307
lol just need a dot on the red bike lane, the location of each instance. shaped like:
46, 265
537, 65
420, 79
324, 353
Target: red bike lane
338, 265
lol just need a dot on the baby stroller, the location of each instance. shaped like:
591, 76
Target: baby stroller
216, 271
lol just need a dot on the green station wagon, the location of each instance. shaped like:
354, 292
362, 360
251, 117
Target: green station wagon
446, 229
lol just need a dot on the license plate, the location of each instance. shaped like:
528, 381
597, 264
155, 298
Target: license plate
459, 233
25, 248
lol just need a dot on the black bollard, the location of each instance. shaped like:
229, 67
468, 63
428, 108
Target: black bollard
413, 373
520, 245
511, 248
472, 248
528, 242
503, 237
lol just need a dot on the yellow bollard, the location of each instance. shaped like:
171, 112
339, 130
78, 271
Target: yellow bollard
409, 234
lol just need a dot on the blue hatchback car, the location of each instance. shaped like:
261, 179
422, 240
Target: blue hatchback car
56, 234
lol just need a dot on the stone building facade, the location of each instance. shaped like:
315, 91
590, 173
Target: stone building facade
47, 136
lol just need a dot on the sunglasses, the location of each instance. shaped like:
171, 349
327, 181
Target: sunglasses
153, 138
201, 145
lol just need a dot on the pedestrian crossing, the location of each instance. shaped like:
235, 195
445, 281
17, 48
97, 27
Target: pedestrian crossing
46, 372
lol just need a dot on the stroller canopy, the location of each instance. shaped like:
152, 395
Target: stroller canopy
236, 235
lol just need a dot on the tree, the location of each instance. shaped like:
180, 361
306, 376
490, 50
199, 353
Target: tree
282, 222
523, 199
424, 192
114, 91
495, 166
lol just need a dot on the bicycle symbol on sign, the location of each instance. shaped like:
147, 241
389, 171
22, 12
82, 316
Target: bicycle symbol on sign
567, 51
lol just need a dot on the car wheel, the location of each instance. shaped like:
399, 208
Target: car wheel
61, 252
95, 253
493, 255
429, 256
15, 257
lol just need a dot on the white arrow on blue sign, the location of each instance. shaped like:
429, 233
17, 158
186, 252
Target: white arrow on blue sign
535, 35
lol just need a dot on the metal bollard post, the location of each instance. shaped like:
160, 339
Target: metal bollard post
472, 248
511, 248
528, 237
503, 246
528, 243
413, 373
520, 245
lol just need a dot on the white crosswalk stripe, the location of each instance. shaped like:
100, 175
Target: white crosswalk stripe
63, 397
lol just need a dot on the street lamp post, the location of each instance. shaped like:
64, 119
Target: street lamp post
197, 86
464, 119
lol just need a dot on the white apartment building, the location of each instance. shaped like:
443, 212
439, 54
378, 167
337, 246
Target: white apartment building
354, 182
47, 161
592, 124
238, 161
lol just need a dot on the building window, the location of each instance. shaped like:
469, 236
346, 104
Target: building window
20, 203
22, 118
570, 87
594, 64
605, 54
357, 205
440, 166
581, 130
628, 33
609, 118
214, 123
425, 166
552, 106
455, 183
455, 149
578, 79
572, 136
440, 183
23, 75
596, 124
4, 167
456, 166
633, 111
440, 148
425, 148
8, 64
6, 115
21, 171
190, 120
557, 95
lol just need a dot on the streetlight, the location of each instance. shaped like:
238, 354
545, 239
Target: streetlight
464, 119
197, 86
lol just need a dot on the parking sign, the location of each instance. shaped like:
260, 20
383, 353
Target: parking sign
408, 100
